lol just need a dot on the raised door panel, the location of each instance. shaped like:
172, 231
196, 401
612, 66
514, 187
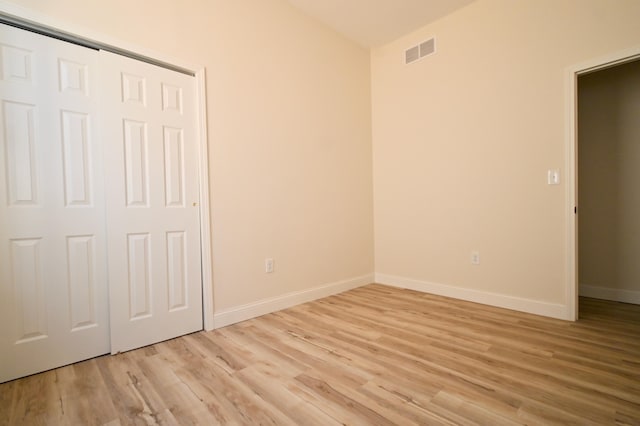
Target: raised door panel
76, 144
30, 309
82, 281
136, 162
18, 120
174, 172
177, 263
16, 62
139, 276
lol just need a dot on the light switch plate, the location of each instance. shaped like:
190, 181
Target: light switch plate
553, 177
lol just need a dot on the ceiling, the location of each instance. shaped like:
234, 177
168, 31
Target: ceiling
372, 23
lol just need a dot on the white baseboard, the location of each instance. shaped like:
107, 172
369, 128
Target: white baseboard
536, 307
615, 294
273, 304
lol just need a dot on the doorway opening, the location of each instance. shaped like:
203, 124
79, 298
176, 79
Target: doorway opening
608, 172
591, 163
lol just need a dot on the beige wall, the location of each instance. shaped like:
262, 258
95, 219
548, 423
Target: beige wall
289, 134
609, 177
463, 139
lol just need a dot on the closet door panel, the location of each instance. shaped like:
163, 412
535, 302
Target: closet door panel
53, 286
151, 154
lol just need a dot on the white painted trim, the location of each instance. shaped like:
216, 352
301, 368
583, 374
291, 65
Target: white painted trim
205, 216
25, 14
571, 147
267, 306
615, 294
571, 295
537, 307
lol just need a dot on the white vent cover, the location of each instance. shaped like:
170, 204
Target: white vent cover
419, 51
411, 55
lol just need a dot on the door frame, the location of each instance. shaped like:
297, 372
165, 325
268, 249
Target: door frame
571, 166
54, 26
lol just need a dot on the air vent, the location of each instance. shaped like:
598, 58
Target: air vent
412, 54
419, 51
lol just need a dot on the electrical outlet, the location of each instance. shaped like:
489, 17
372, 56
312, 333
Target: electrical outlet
268, 265
475, 257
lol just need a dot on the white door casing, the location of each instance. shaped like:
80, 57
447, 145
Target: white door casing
571, 164
53, 284
151, 163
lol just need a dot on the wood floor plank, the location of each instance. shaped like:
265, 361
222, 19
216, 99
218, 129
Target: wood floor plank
83, 396
8, 401
330, 395
412, 404
128, 404
372, 355
297, 409
37, 399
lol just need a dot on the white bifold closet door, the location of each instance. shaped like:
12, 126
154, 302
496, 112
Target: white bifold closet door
152, 198
53, 277
99, 246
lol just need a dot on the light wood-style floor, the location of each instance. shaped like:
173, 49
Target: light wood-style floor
375, 355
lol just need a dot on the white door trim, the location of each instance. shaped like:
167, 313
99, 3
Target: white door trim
205, 222
30, 16
571, 150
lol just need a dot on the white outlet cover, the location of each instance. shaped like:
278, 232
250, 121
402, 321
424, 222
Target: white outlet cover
553, 177
268, 265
